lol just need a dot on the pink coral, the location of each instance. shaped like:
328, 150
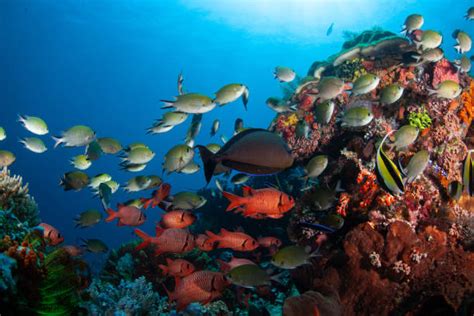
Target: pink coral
444, 70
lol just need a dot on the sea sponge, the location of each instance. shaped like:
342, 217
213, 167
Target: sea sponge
420, 119
466, 113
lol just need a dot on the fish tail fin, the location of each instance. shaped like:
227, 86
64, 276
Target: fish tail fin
167, 104
213, 238
112, 215
146, 202
164, 269
146, 239
278, 278
57, 140
293, 107
235, 200
245, 97
208, 161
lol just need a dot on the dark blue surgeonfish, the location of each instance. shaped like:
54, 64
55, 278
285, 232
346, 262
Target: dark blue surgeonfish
253, 151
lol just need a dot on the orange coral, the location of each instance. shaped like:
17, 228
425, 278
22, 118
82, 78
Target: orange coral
466, 113
343, 205
368, 188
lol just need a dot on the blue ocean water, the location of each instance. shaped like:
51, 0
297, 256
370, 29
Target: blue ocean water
107, 64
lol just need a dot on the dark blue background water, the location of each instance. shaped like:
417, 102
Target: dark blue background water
107, 64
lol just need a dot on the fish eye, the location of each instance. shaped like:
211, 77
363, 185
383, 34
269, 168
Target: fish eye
59, 235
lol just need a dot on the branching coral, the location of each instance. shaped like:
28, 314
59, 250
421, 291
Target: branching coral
14, 196
128, 298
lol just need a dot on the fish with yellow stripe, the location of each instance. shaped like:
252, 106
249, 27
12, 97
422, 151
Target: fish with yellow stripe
468, 173
388, 174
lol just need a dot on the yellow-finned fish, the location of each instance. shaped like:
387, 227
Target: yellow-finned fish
468, 173
388, 175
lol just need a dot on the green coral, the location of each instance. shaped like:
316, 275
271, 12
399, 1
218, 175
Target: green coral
419, 119
59, 290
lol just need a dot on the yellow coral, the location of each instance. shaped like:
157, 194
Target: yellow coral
291, 120
467, 100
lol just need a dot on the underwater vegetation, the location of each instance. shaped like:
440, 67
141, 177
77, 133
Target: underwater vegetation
357, 200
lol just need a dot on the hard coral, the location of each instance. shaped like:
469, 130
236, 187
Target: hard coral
129, 298
14, 196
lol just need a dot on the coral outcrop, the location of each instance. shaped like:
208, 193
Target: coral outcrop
14, 196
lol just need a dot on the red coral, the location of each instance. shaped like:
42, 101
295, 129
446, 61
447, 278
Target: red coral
444, 70
306, 103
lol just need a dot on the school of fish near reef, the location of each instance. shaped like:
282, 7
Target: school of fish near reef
358, 199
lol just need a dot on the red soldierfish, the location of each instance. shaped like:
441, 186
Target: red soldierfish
260, 203
177, 268
127, 215
172, 240
157, 196
202, 242
177, 219
269, 242
233, 240
233, 263
51, 234
200, 286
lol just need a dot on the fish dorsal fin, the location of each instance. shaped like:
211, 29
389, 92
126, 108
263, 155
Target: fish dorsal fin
247, 191
224, 231
159, 230
169, 261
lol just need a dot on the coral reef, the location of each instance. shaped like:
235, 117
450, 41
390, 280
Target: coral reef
399, 270
395, 252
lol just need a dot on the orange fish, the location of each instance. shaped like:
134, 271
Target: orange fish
157, 196
201, 286
177, 268
177, 219
52, 236
171, 240
233, 263
202, 242
233, 240
127, 215
260, 203
269, 242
